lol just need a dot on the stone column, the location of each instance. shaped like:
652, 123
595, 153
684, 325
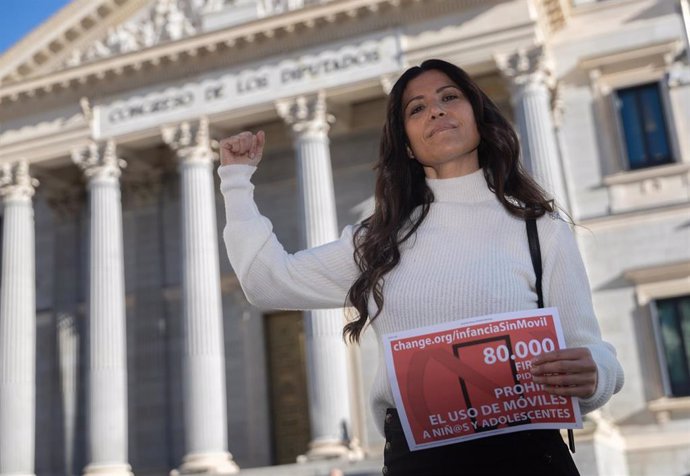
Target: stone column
107, 347
531, 80
17, 323
327, 374
204, 354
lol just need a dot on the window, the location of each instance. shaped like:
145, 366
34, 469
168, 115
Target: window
644, 127
673, 319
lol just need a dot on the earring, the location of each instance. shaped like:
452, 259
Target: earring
410, 154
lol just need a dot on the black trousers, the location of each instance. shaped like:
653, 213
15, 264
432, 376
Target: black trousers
533, 453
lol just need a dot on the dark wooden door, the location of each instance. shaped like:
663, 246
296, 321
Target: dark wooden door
288, 385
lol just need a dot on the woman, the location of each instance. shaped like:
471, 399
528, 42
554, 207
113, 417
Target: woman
446, 241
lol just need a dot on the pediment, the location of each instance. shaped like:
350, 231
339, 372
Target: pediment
86, 31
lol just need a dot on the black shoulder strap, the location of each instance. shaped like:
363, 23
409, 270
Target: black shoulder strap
535, 253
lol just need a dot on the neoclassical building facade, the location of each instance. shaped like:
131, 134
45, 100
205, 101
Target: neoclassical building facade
126, 343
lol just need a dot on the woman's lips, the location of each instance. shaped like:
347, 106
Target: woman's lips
441, 128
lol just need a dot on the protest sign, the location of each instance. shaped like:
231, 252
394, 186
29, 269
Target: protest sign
470, 379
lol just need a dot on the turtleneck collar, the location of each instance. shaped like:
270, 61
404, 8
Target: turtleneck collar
470, 188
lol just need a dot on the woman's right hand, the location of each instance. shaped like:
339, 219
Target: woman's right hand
243, 148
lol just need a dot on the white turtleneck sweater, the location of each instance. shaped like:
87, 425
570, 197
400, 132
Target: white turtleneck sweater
469, 258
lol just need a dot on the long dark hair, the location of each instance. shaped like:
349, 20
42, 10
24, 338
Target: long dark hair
401, 187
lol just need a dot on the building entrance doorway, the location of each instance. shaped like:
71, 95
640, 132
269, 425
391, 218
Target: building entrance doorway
285, 349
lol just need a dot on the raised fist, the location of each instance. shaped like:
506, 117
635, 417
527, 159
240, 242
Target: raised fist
243, 148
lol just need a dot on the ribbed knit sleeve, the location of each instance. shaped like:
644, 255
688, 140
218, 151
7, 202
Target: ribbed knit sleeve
270, 277
566, 286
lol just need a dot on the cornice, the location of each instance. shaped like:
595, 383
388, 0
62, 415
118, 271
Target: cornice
214, 42
598, 7
665, 49
658, 273
631, 176
634, 218
75, 23
47, 146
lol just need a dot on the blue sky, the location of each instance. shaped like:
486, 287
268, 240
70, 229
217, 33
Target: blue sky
19, 17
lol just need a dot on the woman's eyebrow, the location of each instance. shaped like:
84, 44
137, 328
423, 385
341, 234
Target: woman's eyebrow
421, 96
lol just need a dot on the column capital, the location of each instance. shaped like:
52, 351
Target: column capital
99, 161
527, 66
15, 182
191, 141
306, 115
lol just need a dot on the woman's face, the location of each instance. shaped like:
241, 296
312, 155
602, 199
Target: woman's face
440, 126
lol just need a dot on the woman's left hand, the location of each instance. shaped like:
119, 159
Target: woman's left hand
566, 372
